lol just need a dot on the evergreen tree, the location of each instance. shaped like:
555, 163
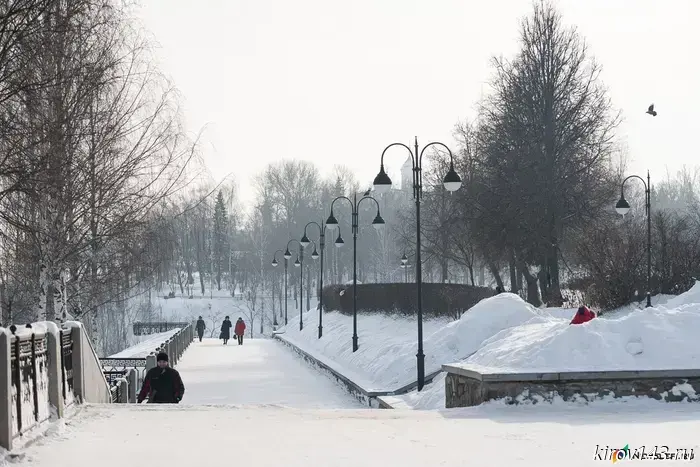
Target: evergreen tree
220, 243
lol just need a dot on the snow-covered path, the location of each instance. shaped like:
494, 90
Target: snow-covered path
259, 372
115, 436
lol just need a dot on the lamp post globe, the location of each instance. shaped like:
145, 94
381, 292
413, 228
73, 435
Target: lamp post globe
378, 222
332, 222
287, 254
452, 181
382, 182
622, 207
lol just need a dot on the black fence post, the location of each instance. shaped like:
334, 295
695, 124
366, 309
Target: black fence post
63, 364
18, 384
35, 387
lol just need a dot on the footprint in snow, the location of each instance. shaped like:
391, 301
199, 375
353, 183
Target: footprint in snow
634, 346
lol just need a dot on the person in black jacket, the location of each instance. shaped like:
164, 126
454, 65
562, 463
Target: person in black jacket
201, 326
226, 330
162, 384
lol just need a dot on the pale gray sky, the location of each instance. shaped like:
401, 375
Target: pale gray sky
334, 82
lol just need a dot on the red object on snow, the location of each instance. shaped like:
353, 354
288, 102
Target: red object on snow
240, 328
583, 315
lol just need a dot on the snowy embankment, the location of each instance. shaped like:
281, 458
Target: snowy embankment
145, 345
505, 334
385, 359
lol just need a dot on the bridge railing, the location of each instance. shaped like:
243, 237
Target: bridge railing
125, 375
142, 329
45, 369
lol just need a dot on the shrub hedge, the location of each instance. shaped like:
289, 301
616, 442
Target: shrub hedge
439, 300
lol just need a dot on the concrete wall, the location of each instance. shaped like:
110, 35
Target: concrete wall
466, 388
88, 379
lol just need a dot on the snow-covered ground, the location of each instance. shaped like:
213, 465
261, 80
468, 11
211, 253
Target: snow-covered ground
259, 372
144, 345
503, 333
269, 436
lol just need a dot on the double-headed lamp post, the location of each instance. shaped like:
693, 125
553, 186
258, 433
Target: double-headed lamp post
623, 207
286, 263
299, 263
322, 244
274, 265
332, 224
451, 182
314, 256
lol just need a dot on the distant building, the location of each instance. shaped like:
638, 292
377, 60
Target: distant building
407, 175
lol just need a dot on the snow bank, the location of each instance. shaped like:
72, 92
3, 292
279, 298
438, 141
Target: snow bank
629, 339
386, 357
691, 297
664, 337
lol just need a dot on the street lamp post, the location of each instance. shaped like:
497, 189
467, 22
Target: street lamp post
322, 244
451, 182
286, 262
332, 223
404, 266
274, 265
623, 207
299, 263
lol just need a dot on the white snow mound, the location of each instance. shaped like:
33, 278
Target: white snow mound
691, 297
484, 320
649, 339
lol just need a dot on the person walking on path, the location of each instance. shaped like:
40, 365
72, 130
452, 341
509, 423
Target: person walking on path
162, 384
201, 326
240, 330
226, 330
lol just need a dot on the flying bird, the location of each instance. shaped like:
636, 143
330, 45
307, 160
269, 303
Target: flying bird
367, 192
651, 110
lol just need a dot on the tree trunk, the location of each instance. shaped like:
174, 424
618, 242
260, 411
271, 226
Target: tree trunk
555, 295
542, 275
513, 273
262, 313
493, 269
533, 293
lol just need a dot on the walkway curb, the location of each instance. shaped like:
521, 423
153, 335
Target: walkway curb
374, 399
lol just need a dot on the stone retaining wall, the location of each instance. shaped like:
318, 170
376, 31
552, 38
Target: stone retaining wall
467, 388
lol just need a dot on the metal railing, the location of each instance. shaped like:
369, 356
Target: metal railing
112, 366
142, 329
29, 369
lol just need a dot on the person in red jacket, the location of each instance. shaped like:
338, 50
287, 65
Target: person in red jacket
239, 330
583, 315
